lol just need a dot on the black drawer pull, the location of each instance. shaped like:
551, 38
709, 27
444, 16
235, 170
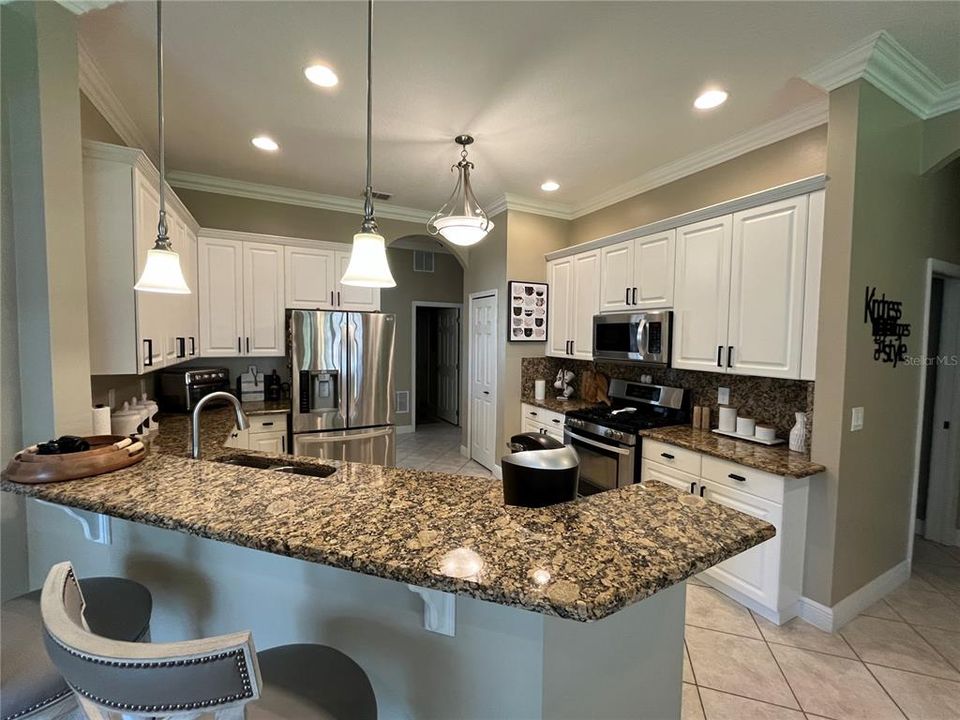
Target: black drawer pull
668, 456
693, 488
269, 424
738, 478
702, 489
556, 421
533, 414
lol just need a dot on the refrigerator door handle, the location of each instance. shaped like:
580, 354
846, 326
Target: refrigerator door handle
346, 438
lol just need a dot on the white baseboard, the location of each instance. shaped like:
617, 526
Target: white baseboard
831, 619
465, 451
405, 429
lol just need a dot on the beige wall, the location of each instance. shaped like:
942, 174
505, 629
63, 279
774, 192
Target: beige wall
884, 219
445, 284
791, 159
941, 140
94, 126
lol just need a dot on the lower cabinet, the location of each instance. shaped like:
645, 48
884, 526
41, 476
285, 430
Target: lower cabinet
267, 433
767, 578
535, 419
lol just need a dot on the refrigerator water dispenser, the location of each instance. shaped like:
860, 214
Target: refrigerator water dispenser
319, 390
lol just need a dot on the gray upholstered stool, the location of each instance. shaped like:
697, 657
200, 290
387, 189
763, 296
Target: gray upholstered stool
220, 676
30, 686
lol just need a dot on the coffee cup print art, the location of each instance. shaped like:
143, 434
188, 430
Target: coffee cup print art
529, 310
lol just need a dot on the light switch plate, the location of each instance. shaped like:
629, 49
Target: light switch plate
856, 419
723, 396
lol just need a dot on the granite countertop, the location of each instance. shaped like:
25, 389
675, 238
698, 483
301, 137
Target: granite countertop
776, 459
581, 560
265, 407
558, 406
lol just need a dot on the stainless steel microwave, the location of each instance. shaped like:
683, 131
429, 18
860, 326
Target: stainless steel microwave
642, 337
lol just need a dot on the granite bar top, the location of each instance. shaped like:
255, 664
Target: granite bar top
776, 459
265, 407
558, 406
582, 560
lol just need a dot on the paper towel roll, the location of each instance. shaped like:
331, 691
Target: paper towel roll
101, 420
539, 389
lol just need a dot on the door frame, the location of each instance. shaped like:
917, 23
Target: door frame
495, 294
947, 271
413, 357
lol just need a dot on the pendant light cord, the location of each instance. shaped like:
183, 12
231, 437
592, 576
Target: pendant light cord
369, 221
162, 238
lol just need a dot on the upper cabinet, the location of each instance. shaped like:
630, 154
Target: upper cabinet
133, 332
313, 281
574, 300
739, 291
637, 274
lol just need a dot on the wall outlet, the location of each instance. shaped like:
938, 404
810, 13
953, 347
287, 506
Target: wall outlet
856, 419
723, 396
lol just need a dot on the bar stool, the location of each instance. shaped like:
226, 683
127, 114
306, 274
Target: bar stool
30, 686
220, 676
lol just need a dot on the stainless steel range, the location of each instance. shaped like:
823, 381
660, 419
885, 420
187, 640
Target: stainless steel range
606, 437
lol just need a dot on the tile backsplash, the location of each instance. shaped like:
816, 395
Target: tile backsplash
769, 400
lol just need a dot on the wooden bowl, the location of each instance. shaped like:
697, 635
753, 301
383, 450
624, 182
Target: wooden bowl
107, 453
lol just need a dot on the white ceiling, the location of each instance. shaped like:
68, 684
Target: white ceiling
591, 94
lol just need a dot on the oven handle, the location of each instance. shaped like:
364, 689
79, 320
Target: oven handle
602, 446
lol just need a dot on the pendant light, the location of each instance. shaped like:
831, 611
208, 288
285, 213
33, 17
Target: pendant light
162, 273
368, 265
461, 220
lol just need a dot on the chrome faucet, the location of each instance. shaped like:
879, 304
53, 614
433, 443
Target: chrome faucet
242, 421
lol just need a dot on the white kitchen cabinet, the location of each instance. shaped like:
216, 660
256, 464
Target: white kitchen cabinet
616, 276
310, 278
267, 433
263, 311
702, 294
133, 332
811, 285
766, 289
536, 419
574, 300
241, 299
275, 442
653, 271
767, 578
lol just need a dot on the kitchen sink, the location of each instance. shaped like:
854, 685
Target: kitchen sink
294, 468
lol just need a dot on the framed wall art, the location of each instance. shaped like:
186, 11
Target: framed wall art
528, 304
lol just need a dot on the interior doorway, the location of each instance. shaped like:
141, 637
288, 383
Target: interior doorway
937, 508
436, 363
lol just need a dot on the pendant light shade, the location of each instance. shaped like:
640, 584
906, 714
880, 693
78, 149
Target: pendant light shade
162, 272
368, 265
461, 220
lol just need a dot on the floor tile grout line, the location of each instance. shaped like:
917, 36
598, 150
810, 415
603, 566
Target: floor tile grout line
875, 678
777, 662
950, 663
725, 632
762, 702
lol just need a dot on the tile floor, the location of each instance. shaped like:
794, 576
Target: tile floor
436, 447
899, 659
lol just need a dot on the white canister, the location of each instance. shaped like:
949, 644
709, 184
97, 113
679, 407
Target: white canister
767, 433
727, 421
746, 426
126, 421
539, 389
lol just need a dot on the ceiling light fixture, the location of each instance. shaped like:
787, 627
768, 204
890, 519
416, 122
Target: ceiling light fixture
162, 272
461, 220
321, 75
550, 186
368, 265
264, 142
710, 99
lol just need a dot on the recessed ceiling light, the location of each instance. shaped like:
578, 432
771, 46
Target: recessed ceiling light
710, 99
321, 75
265, 143
550, 186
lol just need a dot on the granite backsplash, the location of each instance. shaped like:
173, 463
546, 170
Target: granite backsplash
769, 400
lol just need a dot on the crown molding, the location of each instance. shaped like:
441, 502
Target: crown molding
893, 70
803, 118
289, 196
509, 201
94, 85
79, 7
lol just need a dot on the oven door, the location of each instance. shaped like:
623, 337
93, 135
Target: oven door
604, 464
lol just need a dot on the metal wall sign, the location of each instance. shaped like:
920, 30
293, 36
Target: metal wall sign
884, 317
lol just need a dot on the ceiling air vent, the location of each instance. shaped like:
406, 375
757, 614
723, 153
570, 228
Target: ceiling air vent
377, 195
423, 261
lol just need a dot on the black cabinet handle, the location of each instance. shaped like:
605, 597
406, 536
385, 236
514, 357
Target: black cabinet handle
693, 487
283, 443
626, 296
702, 490
193, 345
181, 347
238, 343
338, 298
573, 345
331, 297
267, 424
634, 296
148, 360
668, 456
729, 355
248, 344
719, 355
738, 478
556, 421
533, 414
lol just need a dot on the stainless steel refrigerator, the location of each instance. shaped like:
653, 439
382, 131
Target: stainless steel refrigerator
342, 376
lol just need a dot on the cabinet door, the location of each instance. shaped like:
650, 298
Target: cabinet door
263, 316
668, 476
190, 310
560, 277
152, 308
756, 572
220, 293
275, 442
616, 277
351, 297
585, 299
309, 278
181, 319
702, 295
653, 261
766, 289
